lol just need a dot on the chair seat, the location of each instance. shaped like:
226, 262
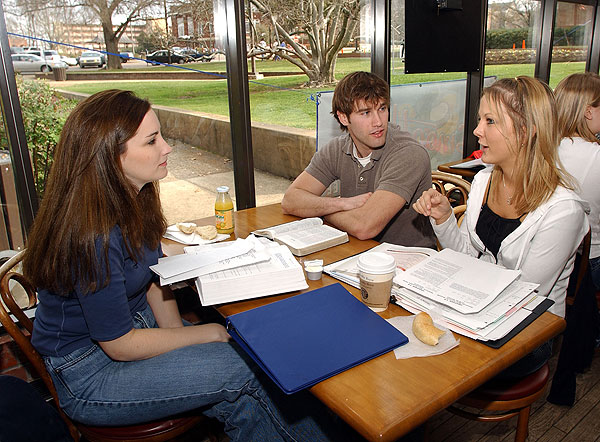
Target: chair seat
148, 430
512, 389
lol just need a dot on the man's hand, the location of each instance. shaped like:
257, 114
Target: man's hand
354, 202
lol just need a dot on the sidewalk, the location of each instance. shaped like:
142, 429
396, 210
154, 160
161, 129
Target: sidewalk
190, 189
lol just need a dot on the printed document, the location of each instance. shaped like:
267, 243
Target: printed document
457, 280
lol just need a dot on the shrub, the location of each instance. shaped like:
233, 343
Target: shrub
505, 38
44, 114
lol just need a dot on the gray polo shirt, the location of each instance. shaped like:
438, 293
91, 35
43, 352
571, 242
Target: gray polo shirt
401, 166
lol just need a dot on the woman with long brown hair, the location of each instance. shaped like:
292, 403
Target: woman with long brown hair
111, 337
521, 213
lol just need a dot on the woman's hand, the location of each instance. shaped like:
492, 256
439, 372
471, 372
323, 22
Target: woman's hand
213, 333
434, 204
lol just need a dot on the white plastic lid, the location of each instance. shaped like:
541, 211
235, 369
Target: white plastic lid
376, 263
223, 189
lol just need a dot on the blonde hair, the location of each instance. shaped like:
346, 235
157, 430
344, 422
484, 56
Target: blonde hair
573, 95
529, 104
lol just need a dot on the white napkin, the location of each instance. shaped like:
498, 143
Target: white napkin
417, 349
192, 238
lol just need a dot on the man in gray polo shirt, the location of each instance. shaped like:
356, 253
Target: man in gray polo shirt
382, 170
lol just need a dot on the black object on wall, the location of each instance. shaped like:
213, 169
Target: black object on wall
442, 36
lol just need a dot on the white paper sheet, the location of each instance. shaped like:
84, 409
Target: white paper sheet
457, 280
180, 264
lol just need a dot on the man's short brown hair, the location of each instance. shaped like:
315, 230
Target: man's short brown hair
356, 86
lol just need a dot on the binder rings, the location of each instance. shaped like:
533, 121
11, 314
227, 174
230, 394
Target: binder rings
304, 339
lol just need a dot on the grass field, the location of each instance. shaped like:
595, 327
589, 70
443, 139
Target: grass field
282, 100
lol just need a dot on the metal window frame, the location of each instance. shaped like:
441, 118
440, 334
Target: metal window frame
239, 105
17, 141
381, 39
593, 59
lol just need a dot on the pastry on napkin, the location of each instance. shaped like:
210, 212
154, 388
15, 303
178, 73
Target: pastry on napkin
198, 235
417, 349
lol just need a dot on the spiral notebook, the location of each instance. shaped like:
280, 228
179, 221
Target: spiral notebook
304, 339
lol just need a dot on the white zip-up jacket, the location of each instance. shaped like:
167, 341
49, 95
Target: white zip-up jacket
543, 247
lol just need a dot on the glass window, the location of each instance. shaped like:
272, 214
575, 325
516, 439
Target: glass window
573, 28
289, 65
511, 37
193, 112
429, 106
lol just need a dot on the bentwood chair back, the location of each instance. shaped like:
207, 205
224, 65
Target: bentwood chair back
453, 187
19, 327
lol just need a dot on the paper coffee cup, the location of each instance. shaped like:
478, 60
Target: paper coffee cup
376, 272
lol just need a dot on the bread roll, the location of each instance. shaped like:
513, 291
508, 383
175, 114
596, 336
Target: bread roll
207, 232
187, 228
424, 329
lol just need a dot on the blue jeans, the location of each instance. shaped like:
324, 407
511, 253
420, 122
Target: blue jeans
215, 377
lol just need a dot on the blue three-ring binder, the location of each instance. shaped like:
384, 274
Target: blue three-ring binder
304, 339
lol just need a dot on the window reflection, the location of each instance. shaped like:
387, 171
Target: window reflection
512, 33
572, 35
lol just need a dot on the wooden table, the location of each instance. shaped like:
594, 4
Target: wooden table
467, 174
385, 398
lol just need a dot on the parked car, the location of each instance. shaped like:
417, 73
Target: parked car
31, 63
48, 54
162, 56
125, 56
93, 59
191, 53
71, 61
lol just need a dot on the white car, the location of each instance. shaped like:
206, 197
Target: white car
31, 63
71, 61
93, 59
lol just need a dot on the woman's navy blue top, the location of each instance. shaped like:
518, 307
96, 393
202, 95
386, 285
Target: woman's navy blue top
65, 323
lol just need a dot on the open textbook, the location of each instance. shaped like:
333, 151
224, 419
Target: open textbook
305, 236
473, 298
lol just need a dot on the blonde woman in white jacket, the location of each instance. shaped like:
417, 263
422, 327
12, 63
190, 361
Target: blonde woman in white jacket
578, 102
521, 213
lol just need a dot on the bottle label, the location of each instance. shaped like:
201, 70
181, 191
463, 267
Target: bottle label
224, 219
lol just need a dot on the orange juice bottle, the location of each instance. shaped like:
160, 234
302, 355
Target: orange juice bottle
224, 210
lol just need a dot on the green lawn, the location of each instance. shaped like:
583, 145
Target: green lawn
281, 100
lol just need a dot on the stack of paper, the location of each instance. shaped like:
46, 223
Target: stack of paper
471, 297
280, 273
233, 271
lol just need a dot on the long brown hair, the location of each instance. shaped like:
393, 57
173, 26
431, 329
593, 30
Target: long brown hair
530, 105
573, 95
88, 194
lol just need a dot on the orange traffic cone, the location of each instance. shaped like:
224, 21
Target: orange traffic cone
513, 46
523, 44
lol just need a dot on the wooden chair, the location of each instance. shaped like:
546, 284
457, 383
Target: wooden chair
20, 330
454, 188
509, 397
514, 397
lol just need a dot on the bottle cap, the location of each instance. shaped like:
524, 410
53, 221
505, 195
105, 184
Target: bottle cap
223, 189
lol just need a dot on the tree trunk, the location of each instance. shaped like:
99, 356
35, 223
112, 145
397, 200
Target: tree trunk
112, 46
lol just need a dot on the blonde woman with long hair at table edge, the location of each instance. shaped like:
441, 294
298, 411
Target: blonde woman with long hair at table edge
521, 213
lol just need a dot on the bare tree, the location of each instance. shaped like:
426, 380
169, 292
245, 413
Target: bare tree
105, 9
514, 14
327, 26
